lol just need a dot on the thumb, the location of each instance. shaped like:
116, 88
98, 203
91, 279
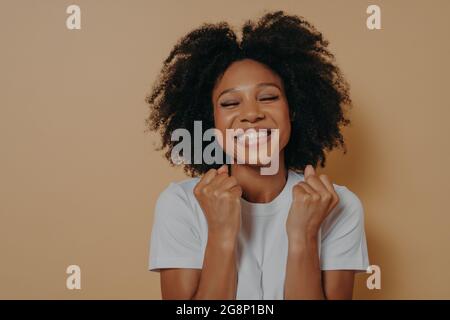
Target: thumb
309, 171
222, 169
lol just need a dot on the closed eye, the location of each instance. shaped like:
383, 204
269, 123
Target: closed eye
269, 98
229, 104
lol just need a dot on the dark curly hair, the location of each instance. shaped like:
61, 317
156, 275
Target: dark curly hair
315, 88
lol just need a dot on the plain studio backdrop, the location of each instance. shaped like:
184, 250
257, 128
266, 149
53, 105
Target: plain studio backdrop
79, 176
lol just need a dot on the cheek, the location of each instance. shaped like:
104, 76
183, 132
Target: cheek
284, 124
285, 134
222, 121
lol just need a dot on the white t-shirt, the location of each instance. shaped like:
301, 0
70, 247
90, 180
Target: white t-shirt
180, 234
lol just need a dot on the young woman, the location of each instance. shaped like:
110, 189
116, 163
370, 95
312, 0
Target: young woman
234, 233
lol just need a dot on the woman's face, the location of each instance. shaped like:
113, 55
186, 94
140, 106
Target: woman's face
251, 97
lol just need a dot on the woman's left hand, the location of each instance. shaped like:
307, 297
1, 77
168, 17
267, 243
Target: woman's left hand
312, 201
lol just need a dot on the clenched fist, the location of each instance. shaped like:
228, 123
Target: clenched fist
219, 196
312, 201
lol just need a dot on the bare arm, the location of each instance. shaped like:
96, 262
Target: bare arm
219, 197
305, 280
303, 275
313, 199
216, 280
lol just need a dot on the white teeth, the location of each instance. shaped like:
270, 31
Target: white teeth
253, 136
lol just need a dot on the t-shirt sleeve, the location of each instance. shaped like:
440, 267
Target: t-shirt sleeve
175, 241
343, 245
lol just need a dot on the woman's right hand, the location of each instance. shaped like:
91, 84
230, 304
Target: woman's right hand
219, 196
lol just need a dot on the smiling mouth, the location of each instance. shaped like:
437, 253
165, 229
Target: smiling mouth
253, 136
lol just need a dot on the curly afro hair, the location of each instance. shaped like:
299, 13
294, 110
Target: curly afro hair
315, 88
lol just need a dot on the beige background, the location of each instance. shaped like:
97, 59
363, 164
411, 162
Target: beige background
79, 176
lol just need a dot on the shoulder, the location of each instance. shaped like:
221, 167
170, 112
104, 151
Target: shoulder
181, 189
177, 198
348, 214
348, 199
343, 239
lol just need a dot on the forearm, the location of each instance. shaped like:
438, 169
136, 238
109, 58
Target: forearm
303, 274
218, 279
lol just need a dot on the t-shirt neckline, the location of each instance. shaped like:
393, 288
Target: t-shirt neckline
269, 208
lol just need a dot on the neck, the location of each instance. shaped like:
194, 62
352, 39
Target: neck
259, 188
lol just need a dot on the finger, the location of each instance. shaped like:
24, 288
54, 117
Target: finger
308, 189
207, 178
223, 169
236, 190
309, 171
326, 181
317, 184
217, 181
228, 183
301, 192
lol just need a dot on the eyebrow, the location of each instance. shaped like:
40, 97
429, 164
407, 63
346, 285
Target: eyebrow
263, 84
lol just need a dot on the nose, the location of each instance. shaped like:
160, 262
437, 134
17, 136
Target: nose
251, 112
